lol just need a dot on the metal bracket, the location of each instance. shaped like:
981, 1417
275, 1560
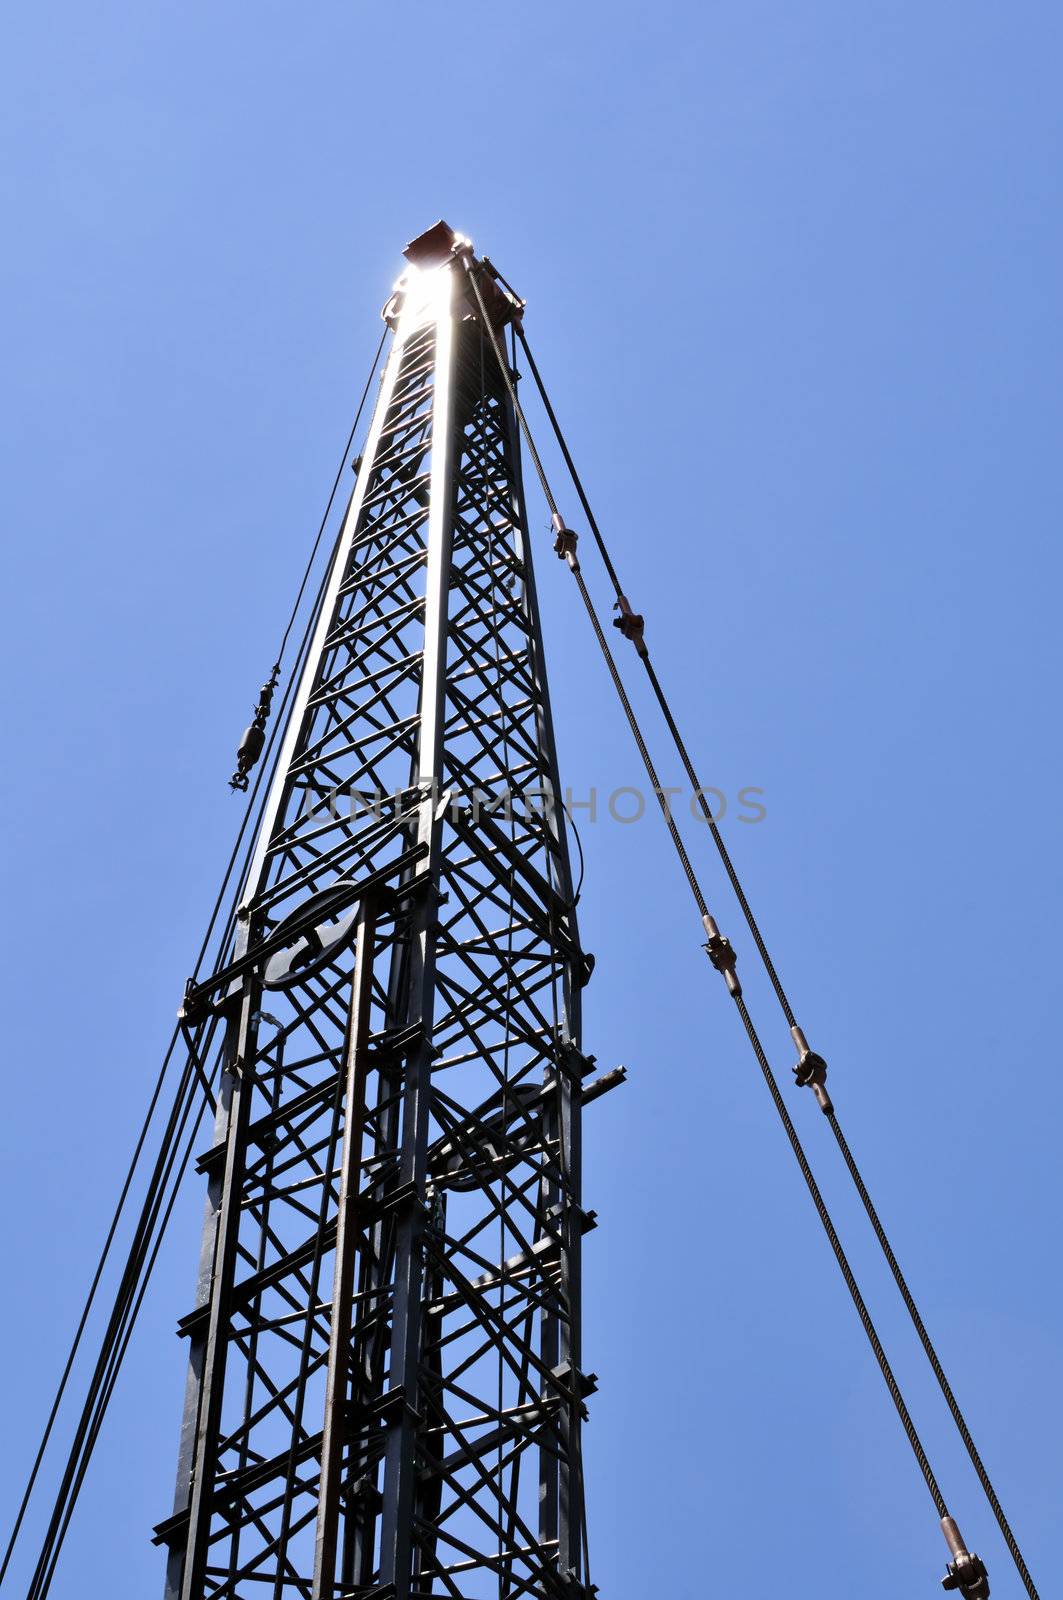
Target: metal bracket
601, 1085
364, 1496
336, 898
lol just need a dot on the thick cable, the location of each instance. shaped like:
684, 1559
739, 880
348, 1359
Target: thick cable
328, 509
683, 753
503, 367
86, 1310
798, 1150
120, 1206
636, 731
124, 1293
250, 747
569, 463
113, 1373
70, 1486
632, 720
769, 967
776, 1094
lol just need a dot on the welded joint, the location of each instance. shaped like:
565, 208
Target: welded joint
722, 955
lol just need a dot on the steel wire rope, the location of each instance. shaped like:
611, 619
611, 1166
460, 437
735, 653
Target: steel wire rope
681, 749
127, 1305
765, 1066
116, 1217
633, 724
267, 767
93, 1414
328, 508
130, 1293
253, 739
784, 1003
92, 1419
119, 1310
791, 1133
86, 1311
113, 1373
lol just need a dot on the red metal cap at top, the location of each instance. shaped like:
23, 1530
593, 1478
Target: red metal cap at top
432, 248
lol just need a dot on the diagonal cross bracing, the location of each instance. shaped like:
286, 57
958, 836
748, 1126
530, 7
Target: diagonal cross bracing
384, 1393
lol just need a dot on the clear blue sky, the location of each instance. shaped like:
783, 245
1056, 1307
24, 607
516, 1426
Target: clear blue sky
793, 273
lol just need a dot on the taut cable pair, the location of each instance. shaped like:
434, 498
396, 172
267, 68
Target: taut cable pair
174, 1154
966, 1572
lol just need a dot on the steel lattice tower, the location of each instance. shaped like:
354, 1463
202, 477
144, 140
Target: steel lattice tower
385, 1392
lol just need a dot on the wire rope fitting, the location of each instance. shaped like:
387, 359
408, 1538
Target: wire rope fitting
518, 303
631, 624
565, 542
722, 955
255, 735
811, 1071
966, 1572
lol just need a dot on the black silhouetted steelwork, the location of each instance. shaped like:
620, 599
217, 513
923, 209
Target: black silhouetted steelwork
385, 1389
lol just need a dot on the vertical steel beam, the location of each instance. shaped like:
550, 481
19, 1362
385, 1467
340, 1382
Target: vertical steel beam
240, 1057
334, 1433
400, 1469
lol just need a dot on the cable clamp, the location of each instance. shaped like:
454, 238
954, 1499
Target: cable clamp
969, 1576
721, 954
631, 624
966, 1572
811, 1071
565, 542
